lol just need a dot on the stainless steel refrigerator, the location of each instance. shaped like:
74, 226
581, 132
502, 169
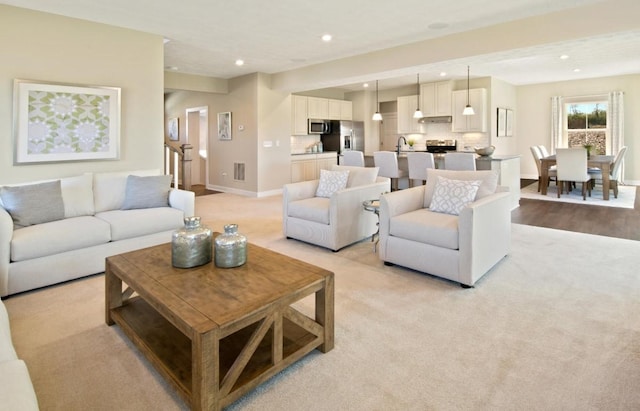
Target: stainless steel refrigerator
344, 135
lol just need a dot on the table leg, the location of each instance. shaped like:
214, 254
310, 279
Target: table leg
113, 293
325, 312
606, 183
544, 177
205, 363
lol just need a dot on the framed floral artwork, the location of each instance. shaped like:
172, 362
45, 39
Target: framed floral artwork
174, 129
61, 122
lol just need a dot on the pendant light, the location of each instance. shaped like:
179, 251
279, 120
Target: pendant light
468, 110
377, 116
418, 113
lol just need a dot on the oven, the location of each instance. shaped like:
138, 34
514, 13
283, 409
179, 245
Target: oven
441, 146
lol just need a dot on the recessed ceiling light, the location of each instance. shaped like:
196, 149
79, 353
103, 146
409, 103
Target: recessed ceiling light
365, 85
564, 57
577, 70
166, 40
239, 62
442, 74
172, 68
326, 37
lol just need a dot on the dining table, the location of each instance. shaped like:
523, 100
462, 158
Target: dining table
603, 162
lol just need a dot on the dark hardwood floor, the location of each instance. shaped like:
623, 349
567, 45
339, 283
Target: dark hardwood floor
590, 219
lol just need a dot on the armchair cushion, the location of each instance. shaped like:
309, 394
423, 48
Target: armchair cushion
427, 227
450, 196
488, 186
311, 209
359, 176
331, 182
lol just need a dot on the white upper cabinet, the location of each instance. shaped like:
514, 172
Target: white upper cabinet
346, 110
476, 122
335, 110
435, 99
318, 108
299, 125
406, 108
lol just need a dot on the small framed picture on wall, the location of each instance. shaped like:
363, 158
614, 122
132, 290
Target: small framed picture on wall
174, 129
224, 126
502, 122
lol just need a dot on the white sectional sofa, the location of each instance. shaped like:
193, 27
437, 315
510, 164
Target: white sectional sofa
103, 214
16, 389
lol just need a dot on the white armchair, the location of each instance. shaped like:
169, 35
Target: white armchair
336, 221
460, 248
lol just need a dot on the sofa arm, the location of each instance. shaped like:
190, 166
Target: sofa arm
183, 200
6, 234
485, 234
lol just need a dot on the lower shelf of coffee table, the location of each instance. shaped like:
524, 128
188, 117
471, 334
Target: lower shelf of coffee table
169, 350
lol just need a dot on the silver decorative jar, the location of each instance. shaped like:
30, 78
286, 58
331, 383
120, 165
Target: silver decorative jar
230, 248
191, 245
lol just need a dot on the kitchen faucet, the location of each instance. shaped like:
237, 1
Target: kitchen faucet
398, 146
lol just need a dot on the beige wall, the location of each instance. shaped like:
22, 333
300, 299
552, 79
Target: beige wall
263, 145
51, 48
502, 95
533, 117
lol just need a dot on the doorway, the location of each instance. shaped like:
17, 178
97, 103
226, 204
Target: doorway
198, 137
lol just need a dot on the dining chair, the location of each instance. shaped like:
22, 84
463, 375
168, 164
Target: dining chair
418, 165
572, 167
536, 151
387, 161
614, 173
353, 158
460, 161
543, 151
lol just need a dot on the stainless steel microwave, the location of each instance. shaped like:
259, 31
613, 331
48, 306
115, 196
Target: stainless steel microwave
319, 126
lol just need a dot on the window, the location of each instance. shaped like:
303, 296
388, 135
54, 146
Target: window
586, 124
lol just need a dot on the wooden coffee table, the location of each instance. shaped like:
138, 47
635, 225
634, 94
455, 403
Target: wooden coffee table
217, 333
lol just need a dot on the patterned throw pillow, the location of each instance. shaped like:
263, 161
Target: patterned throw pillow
451, 196
331, 181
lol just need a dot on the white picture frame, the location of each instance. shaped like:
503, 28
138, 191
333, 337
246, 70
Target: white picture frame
56, 122
174, 129
510, 123
224, 126
502, 122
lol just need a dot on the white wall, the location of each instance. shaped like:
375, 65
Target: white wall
533, 117
502, 95
51, 48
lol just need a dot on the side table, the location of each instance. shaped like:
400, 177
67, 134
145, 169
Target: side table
374, 207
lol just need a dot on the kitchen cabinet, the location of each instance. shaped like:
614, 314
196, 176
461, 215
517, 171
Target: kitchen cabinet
346, 110
406, 108
435, 99
299, 115
318, 108
305, 167
476, 122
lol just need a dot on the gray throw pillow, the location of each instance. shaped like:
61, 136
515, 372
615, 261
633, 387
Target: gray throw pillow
147, 192
33, 203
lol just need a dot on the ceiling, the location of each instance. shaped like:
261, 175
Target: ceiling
206, 37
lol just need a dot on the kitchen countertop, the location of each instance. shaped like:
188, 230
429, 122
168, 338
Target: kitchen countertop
313, 156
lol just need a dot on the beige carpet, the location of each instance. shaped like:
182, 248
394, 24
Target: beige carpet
626, 195
555, 326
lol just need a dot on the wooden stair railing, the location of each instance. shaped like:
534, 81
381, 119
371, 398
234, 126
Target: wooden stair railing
181, 164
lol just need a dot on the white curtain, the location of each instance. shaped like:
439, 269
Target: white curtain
556, 123
615, 124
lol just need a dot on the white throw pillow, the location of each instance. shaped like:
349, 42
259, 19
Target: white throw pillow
489, 180
451, 196
77, 194
331, 181
358, 176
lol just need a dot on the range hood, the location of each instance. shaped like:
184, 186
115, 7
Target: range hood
440, 119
